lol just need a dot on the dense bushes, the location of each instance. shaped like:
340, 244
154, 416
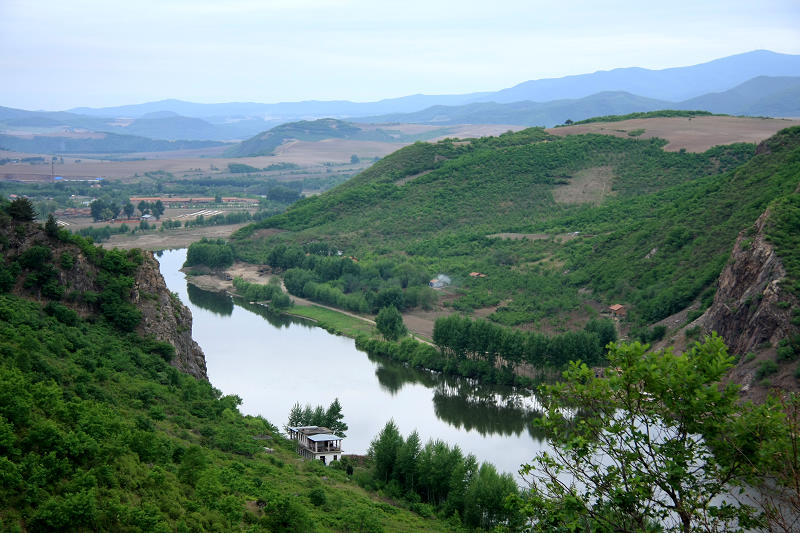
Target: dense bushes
321, 273
442, 477
464, 338
256, 292
648, 244
216, 254
783, 230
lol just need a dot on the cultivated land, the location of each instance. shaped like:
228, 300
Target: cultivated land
189, 163
695, 134
170, 239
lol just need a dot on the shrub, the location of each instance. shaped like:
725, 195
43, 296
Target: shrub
766, 368
317, 496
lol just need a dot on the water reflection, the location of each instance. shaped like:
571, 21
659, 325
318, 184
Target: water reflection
464, 403
219, 303
272, 361
279, 320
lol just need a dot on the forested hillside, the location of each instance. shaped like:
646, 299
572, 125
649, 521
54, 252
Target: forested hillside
552, 222
98, 432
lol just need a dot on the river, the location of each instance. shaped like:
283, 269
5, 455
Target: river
272, 361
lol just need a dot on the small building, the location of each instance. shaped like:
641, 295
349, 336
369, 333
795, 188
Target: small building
439, 282
617, 310
317, 443
477, 275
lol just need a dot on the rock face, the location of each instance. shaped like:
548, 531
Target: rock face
166, 318
751, 311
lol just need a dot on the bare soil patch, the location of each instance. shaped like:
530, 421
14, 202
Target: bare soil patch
588, 186
421, 322
695, 134
220, 282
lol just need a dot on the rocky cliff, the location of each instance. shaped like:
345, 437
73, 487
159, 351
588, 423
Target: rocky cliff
53, 268
166, 318
753, 312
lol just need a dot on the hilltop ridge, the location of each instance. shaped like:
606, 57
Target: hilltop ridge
557, 229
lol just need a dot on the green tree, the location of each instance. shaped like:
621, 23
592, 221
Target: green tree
128, 208
22, 209
158, 209
656, 440
51, 226
99, 209
143, 207
295, 416
383, 451
334, 419
390, 323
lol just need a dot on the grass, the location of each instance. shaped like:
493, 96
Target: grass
333, 321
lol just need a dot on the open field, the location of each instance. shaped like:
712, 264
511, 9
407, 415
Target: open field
169, 239
590, 185
696, 134
209, 161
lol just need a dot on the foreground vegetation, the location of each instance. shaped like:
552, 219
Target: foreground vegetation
99, 432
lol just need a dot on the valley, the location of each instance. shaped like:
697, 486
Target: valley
562, 304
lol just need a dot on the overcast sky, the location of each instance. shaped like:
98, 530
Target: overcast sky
57, 54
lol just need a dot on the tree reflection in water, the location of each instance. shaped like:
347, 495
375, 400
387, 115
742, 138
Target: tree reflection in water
464, 403
218, 303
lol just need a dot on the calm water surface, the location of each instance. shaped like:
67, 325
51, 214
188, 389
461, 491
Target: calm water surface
271, 362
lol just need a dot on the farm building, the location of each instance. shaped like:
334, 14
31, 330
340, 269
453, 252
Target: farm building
617, 310
317, 443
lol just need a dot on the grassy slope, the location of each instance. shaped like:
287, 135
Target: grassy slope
689, 207
98, 432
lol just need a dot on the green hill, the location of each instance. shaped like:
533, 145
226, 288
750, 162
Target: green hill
317, 130
98, 432
554, 223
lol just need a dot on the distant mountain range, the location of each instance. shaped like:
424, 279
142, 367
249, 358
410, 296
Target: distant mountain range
754, 83
761, 96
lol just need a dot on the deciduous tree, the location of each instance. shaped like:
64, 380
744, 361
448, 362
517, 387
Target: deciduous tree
656, 442
390, 323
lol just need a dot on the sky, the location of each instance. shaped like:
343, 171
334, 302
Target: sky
57, 54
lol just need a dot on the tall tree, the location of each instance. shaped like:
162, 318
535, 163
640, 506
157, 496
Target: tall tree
22, 209
295, 416
158, 209
383, 451
128, 208
390, 323
51, 226
334, 419
655, 441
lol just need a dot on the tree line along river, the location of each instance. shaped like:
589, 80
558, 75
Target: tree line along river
272, 361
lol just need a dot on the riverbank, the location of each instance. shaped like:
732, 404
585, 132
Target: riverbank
329, 318
425, 355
